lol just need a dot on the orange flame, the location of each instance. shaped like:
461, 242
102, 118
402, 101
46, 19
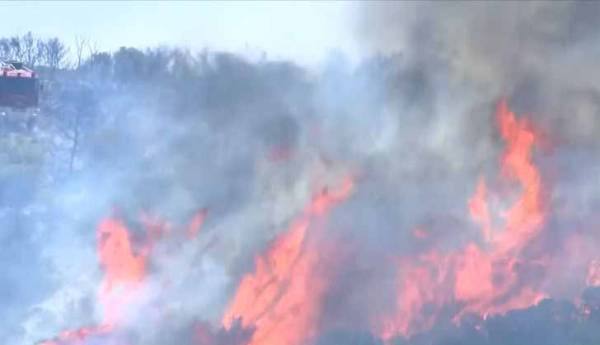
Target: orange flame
420, 233
484, 278
480, 280
124, 270
196, 223
593, 273
526, 217
420, 285
281, 298
77, 336
479, 210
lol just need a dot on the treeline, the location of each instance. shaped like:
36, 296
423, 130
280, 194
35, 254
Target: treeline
34, 51
84, 56
90, 95
125, 64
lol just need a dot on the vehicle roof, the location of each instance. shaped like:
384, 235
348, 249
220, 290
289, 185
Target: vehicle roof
7, 69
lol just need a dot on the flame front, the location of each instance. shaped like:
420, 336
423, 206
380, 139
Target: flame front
281, 299
488, 280
593, 274
484, 277
124, 269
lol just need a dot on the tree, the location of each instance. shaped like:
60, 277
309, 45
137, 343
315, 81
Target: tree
55, 53
99, 66
80, 46
5, 49
41, 51
129, 64
73, 116
16, 48
31, 52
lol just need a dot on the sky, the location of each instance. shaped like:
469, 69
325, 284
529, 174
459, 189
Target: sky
306, 32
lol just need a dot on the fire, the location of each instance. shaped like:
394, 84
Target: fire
125, 268
479, 210
196, 223
280, 302
124, 271
480, 279
420, 233
77, 336
526, 217
486, 277
593, 273
281, 299
421, 285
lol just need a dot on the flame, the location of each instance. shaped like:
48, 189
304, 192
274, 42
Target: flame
593, 273
124, 270
487, 281
196, 223
280, 302
526, 217
77, 336
281, 299
479, 279
479, 210
156, 228
420, 234
421, 285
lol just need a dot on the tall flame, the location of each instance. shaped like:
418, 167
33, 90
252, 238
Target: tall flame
196, 223
483, 279
281, 299
487, 280
125, 269
593, 273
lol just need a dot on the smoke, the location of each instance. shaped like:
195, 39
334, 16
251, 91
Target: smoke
167, 133
541, 57
538, 54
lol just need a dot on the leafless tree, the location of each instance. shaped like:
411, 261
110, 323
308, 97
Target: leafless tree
80, 49
17, 48
41, 52
5, 48
55, 53
31, 49
93, 48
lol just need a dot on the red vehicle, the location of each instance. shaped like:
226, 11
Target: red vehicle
19, 86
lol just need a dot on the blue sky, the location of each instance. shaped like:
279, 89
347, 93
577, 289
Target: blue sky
304, 31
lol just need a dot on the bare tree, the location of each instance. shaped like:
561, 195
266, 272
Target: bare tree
5, 49
99, 65
30, 49
55, 53
93, 48
16, 48
80, 47
72, 117
41, 52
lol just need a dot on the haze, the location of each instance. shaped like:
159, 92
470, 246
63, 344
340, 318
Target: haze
302, 31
